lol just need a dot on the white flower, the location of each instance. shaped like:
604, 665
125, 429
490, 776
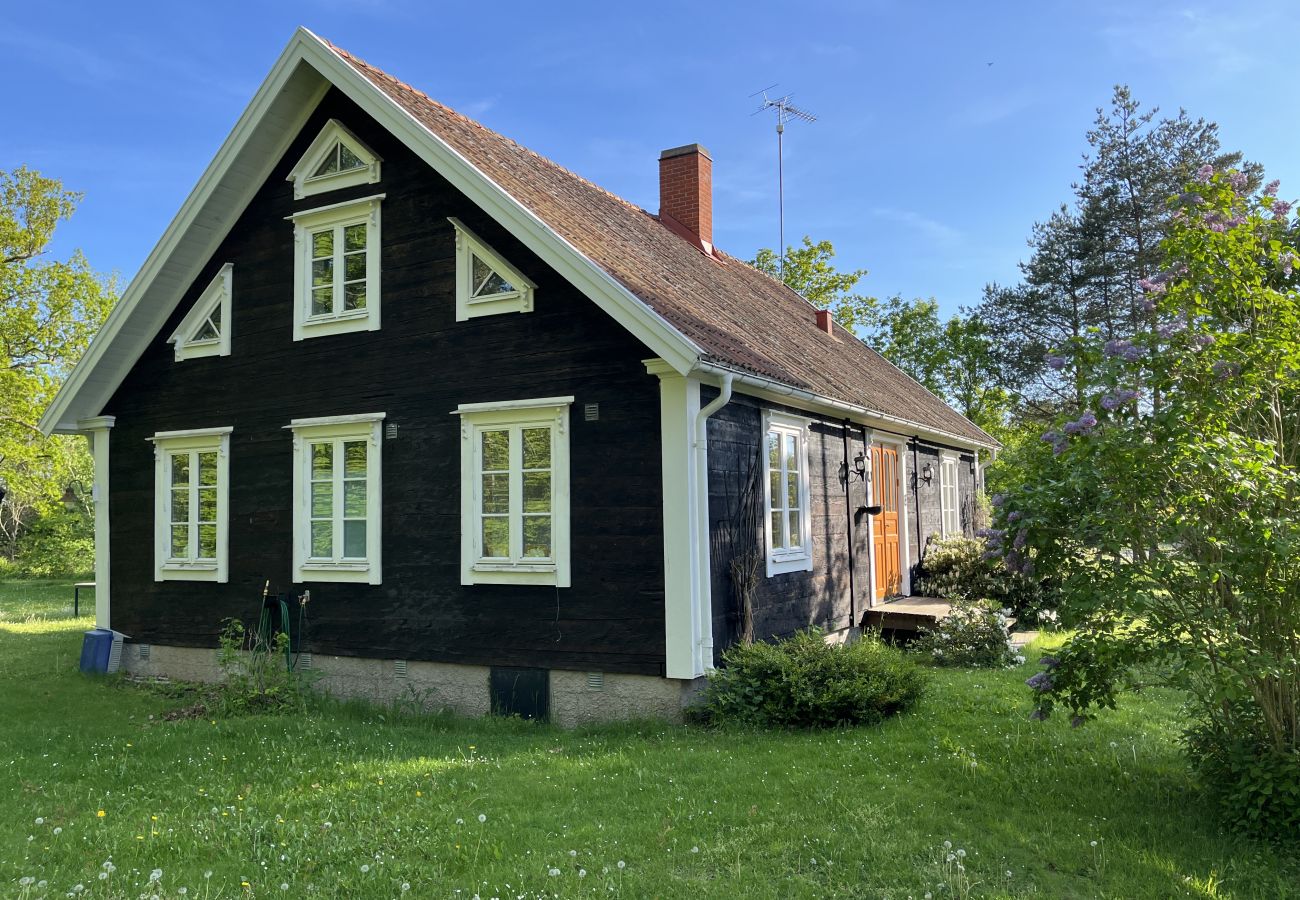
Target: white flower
207, 874
961, 854
573, 853
58, 830
103, 876
695, 849
1092, 844
406, 886
947, 845
40, 820
42, 884
460, 821
582, 873
284, 885
26, 880
155, 875
621, 864
553, 872
482, 818
182, 891
365, 867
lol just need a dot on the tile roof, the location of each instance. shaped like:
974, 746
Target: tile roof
741, 318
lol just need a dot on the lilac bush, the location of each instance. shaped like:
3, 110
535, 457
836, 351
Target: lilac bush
1169, 509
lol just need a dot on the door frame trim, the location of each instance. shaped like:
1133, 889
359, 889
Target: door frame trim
899, 445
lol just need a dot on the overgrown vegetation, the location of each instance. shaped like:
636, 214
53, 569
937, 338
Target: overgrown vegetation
972, 635
804, 682
963, 570
257, 677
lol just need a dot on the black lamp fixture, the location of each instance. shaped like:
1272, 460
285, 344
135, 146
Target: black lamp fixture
72, 499
860, 467
927, 473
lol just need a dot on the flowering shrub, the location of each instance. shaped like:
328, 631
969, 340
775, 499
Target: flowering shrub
963, 569
804, 682
1171, 507
973, 635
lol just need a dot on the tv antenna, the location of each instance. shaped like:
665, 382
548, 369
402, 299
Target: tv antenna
785, 112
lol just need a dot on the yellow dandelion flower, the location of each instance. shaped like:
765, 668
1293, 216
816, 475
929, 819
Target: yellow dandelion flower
101, 814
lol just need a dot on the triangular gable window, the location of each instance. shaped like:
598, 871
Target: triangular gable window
336, 159
486, 284
205, 330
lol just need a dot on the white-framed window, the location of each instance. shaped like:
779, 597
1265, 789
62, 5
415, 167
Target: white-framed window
949, 506
191, 504
487, 285
514, 464
336, 268
785, 494
337, 158
337, 498
205, 330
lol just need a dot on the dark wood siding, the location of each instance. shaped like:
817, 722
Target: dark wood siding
416, 369
787, 602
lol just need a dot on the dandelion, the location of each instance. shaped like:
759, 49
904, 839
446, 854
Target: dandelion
40, 820
460, 821
182, 890
1092, 843
582, 873
103, 876
58, 830
155, 875
365, 867
961, 854
621, 864
284, 885
406, 886
26, 880
695, 849
101, 814
482, 818
553, 872
573, 853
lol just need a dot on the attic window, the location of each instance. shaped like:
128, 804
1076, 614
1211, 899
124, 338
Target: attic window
336, 159
486, 285
205, 330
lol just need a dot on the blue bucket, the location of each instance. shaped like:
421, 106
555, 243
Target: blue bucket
96, 647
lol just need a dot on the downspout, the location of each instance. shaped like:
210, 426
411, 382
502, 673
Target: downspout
848, 513
704, 571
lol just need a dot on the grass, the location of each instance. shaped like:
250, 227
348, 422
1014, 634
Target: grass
357, 802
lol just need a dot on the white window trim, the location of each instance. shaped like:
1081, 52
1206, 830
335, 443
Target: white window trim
949, 459
334, 132
351, 427
468, 245
552, 411
352, 212
216, 294
201, 439
783, 560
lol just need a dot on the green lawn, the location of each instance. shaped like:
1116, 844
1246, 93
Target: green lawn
352, 802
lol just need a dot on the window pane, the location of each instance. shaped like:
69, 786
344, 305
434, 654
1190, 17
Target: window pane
496, 537
774, 452
181, 504
354, 500
774, 488
207, 504
778, 539
354, 266
537, 536
537, 492
794, 537
207, 542
354, 238
487, 282
537, 448
329, 165
496, 451
180, 468
791, 453
215, 318
180, 548
496, 493
322, 272
354, 459
322, 460
322, 301
792, 491
322, 540
322, 244
322, 500
206, 332
354, 539
354, 296
348, 159
208, 468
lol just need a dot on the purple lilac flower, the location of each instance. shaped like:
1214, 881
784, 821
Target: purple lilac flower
1014, 516
1148, 305
1203, 340
1169, 329
1060, 446
1190, 198
1280, 209
1270, 189
1028, 568
1205, 173
998, 499
1132, 353
992, 554
1110, 402
1237, 180
1040, 681
1114, 347
1071, 428
1224, 370
1152, 285
1049, 662
1039, 715
1087, 420
1055, 362
1286, 260
1022, 538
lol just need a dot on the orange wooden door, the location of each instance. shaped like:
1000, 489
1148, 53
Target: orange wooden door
884, 493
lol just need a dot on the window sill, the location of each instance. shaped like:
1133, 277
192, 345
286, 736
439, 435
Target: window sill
780, 565
508, 573
190, 572
356, 573
365, 320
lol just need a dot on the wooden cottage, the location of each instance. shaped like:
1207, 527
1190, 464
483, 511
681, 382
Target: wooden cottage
525, 445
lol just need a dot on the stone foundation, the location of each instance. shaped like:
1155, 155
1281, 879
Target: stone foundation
576, 698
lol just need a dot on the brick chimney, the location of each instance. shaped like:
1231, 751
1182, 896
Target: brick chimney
686, 194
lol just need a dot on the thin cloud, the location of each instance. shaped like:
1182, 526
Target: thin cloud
930, 228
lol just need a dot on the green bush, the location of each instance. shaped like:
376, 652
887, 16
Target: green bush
960, 569
57, 544
973, 635
803, 682
257, 678
1257, 785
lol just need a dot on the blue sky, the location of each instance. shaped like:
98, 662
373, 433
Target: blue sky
927, 165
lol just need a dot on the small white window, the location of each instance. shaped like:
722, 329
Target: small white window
205, 330
486, 285
337, 508
788, 528
191, 504
336, 159
515, 492
948, 494
336, 268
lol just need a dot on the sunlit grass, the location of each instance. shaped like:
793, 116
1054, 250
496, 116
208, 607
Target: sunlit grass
352, 801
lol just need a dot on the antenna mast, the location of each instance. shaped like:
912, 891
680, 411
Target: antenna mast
785, 112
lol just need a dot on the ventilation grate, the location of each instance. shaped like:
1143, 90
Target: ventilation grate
390, 430
304, 660
399, 668
595, 681
591, 412
143, 650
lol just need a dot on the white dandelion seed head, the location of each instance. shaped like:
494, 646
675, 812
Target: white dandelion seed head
155, 875
365, 867
582, 873
58, 830
947, 845
553, 871
406, 886
961, 854
573, 853
482, 817
103, 876
621, 864
40, 820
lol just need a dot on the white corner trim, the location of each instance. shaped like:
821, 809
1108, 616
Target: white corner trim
96, 430
334, 133
217, 295
470, 245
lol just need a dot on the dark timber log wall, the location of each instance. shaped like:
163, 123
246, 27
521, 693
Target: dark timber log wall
417, 368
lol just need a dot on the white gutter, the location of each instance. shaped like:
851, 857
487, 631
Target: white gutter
818, 401
704, 568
